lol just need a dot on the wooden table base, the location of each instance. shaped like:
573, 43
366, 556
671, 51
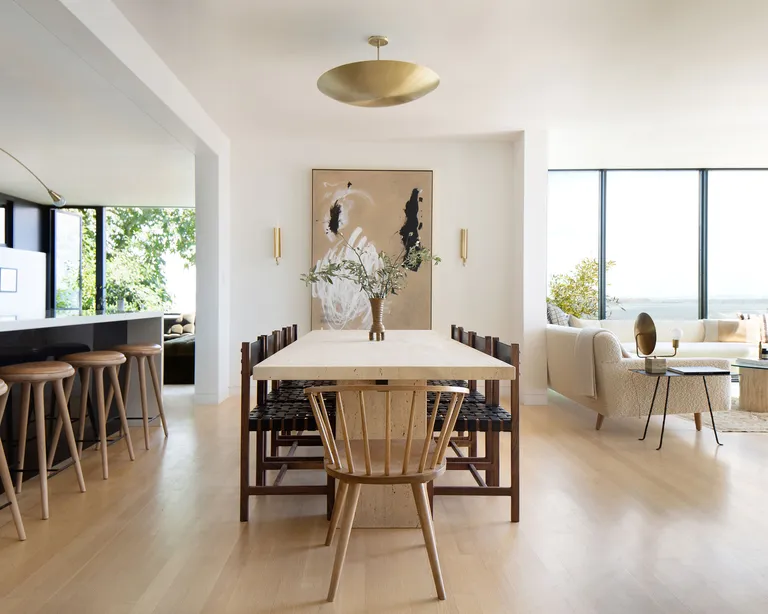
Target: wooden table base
753, 390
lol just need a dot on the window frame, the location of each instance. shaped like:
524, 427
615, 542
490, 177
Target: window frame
703, 221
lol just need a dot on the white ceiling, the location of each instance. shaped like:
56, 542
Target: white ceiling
84, 138
504, 64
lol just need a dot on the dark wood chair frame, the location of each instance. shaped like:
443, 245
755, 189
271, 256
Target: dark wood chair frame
285, 429
490, 462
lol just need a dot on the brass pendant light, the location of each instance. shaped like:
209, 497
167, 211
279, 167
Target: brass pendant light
378, 83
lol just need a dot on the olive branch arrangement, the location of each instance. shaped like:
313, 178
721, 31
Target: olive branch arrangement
389, 278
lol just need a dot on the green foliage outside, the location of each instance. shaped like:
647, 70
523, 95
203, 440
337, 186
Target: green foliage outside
138, 241
576, 293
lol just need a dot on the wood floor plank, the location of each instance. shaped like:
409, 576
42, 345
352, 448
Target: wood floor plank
608, 525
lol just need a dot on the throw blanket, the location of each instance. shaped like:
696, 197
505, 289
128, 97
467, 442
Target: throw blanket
584, 361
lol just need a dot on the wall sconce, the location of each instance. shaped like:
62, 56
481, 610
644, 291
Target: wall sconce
464, 247
277, 244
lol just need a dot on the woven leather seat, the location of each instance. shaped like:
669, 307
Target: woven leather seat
286, 409
475, 415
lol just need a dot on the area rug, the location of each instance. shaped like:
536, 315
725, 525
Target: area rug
735, 420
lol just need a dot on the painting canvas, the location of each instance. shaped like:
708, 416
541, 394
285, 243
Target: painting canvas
376, 210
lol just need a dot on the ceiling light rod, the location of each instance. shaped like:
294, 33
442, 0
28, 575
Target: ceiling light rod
378, 41
57, 199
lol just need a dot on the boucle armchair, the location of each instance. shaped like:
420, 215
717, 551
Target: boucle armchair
623, 393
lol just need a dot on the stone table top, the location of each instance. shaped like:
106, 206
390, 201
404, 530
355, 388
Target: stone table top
404, 355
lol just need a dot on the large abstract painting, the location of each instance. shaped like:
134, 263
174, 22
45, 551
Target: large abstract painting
374, 211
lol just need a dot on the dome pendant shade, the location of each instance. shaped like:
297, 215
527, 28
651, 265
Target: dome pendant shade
378, 83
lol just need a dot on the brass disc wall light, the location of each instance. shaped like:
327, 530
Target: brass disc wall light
378, 83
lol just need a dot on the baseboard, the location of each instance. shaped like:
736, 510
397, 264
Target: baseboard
537, 397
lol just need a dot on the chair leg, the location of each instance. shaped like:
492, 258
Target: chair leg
143, 389
492, 445
26, 391
5, 478
158, 392
69, 433
85, 386
428, 529
697, 421
261, 444
39, 394
340, 495
53, 446
98, 380
599, 423
121, 410
353, 493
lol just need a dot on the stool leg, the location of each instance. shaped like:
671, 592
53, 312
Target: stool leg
39, 393
69, 433
158, 392
5, 477
98, 379
85, 387
26, 390
143, 389
121, 409
59, 423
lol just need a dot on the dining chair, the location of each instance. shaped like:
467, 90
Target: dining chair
281, 411
484, 413
357, 461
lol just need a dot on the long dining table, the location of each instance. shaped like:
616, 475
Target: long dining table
410, 357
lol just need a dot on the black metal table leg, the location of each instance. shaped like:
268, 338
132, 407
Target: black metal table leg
711, 415
650, 411
664, 420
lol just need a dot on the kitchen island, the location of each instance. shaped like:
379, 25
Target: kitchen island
98, 331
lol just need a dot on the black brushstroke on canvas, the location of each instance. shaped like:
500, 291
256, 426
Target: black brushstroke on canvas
335, 214
410, 229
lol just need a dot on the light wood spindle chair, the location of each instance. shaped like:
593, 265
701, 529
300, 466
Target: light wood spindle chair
355, 462
5, 474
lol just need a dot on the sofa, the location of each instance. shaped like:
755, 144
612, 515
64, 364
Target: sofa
179, 349
619, 392
730, 339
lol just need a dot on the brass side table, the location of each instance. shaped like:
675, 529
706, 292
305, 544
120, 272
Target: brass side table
670, 375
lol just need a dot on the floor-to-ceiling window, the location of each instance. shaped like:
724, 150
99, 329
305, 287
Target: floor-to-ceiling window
678, 244
572, 241
738, 221
652, 238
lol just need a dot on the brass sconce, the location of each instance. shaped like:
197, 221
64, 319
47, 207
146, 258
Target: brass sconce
57, 199
277, 244
464, 248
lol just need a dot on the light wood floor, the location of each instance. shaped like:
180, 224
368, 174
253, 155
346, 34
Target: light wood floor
608, 525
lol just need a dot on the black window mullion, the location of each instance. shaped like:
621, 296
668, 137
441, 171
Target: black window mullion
601, 258
101, 258
703, 243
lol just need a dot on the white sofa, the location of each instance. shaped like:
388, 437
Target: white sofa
619, 392
701, 338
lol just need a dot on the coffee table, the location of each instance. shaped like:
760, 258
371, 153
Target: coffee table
670, 375
753, 385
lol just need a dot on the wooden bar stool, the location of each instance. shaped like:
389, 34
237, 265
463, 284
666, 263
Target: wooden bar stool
34, 376
5, 474
96, 362
144, 354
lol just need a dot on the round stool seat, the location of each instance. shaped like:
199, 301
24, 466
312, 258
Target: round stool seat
99, 358
3, 387
46, 371
139, 349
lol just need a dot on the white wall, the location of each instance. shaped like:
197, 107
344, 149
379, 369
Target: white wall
473, 188
659, 147
29, 299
